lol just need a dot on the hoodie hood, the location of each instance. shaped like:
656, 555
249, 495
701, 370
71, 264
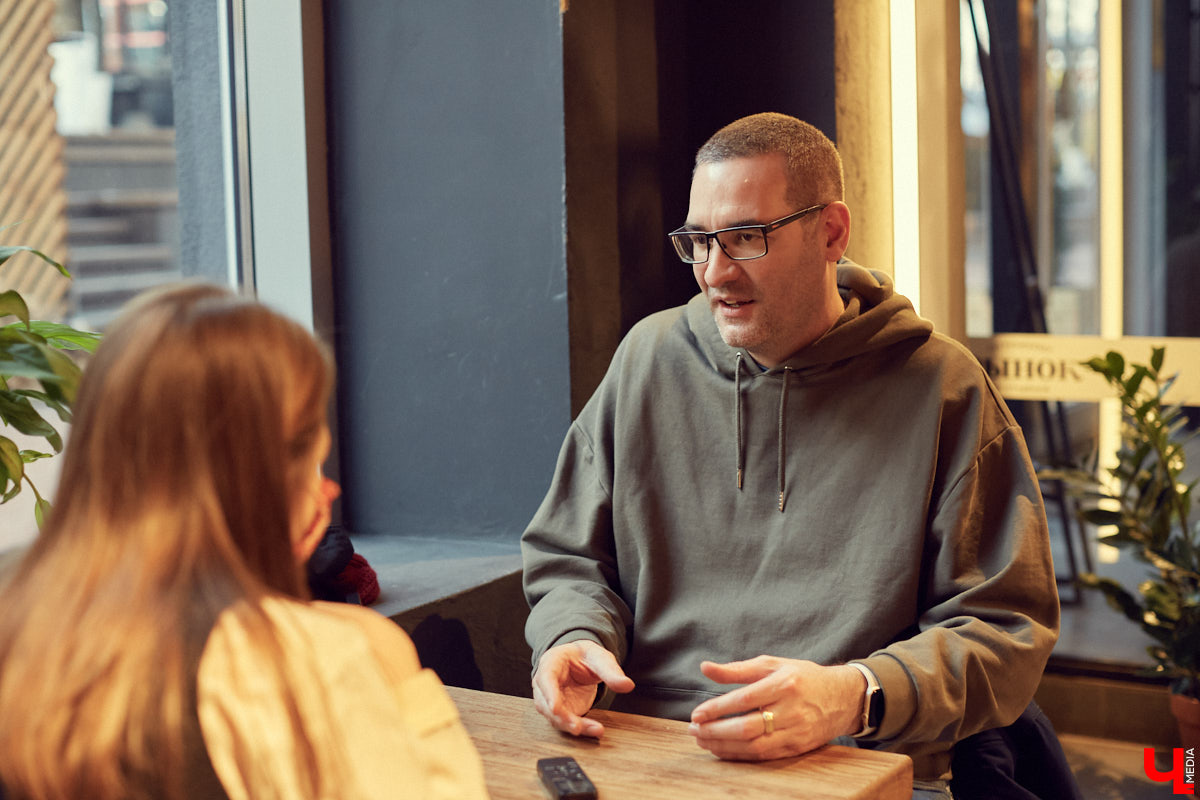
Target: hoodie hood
875, 317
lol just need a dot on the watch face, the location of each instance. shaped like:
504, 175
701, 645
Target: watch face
874, 707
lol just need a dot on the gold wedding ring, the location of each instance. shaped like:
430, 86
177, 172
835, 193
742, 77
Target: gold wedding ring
768, 721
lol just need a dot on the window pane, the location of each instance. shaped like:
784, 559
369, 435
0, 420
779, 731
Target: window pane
978, 223
1068, 229
1057, 152
112, 75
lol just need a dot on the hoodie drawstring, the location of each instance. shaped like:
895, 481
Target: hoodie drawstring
787, 371
737, 424
737, 418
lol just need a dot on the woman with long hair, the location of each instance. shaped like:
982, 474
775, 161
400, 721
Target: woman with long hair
157, 640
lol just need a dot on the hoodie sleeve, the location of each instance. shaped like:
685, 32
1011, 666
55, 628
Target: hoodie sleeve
570, 565
990, 615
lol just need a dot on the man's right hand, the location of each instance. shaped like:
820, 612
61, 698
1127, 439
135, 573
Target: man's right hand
564, 685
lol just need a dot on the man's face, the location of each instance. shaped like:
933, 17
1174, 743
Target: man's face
774, 305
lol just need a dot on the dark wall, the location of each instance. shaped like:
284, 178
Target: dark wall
446, 182
1182, 143
719, 61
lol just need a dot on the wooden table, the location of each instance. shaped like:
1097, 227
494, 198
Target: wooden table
643, 757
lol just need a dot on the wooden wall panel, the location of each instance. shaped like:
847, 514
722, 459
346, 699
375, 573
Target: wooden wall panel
31, 156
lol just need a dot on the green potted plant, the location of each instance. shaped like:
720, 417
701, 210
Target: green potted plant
36, 376
1146, 509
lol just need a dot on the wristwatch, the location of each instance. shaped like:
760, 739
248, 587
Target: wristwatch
872, 713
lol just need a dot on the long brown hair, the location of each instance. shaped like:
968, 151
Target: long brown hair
194, 421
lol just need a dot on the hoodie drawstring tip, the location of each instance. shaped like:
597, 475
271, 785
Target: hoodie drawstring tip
739, 480
781, 502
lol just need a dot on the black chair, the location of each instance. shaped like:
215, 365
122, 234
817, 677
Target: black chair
1023, 761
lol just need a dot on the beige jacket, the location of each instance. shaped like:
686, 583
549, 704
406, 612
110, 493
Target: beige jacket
380, 725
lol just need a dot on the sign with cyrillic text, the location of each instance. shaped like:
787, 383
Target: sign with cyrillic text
1031, 366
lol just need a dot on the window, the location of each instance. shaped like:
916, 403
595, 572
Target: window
151, 100
1105, 102
1054, 65
114, 103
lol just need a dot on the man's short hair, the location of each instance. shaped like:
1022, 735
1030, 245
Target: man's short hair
814, 168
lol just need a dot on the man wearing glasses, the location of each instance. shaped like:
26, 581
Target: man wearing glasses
791, 512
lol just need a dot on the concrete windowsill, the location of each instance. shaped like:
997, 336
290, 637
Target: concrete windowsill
415, 572
462, 604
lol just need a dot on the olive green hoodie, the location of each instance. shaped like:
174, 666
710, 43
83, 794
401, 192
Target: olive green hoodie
870, 499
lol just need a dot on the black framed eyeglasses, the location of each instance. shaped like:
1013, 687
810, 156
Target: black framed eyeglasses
740, 243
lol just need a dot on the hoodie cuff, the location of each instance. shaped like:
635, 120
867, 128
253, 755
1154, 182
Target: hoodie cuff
575, 636
566, 638
899, 695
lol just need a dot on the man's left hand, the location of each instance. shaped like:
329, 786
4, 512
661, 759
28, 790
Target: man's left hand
808, 705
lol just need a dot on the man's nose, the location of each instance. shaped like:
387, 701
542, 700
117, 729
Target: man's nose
720, 268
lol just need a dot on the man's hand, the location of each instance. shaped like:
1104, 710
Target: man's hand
564, 684
810, 704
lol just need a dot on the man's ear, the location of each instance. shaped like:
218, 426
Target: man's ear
836, 219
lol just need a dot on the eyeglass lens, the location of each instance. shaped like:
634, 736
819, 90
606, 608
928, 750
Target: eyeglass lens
739, 243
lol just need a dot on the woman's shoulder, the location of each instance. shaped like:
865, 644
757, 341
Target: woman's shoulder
372, 715
389, 642
331, 633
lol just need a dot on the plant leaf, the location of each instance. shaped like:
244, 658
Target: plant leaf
1119, 539
1156, 358
29, 356
21, 354
1159, 599
13, 305
63, 411
64, 337
18, 412
1117, 595
8, 251
66, 375
1134, 381
41, 510
23, 369
1115, 365
1102, 516
10, 461
1186, 647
